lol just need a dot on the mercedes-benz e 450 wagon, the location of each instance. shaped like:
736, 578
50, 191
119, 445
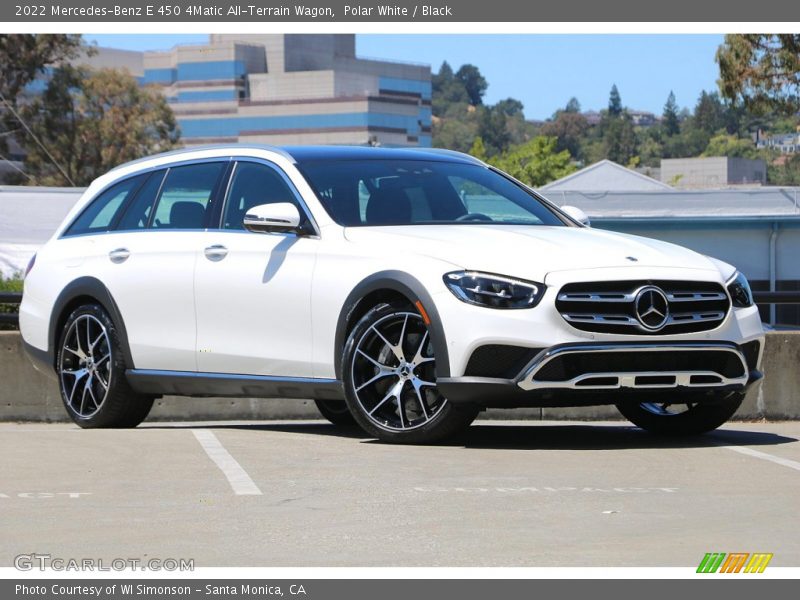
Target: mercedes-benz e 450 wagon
403, 289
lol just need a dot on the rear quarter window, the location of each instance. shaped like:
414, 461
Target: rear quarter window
102, 211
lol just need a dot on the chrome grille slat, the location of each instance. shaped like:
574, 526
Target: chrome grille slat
696, 317
610, 306
615, 319
596, 297
695, 296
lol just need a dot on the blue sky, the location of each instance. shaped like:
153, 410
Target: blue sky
543, 71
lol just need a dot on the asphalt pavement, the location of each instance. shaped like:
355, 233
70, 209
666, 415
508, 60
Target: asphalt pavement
305, 493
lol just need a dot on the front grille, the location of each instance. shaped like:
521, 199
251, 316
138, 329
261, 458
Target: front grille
499, 360
611, 306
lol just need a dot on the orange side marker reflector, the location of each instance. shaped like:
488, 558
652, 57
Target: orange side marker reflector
425, 318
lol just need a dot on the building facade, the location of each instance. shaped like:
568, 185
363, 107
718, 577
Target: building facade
713, 172
291, 89
785, 143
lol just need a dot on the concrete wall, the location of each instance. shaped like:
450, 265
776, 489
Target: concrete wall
712, 172
742, 171
27, 395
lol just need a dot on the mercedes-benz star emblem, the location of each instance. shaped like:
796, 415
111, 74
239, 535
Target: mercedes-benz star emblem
652, 308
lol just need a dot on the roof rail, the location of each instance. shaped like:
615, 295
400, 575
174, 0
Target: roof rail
191, 149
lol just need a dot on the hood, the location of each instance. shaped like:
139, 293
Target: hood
528, 252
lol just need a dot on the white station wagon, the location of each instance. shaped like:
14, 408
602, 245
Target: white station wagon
403, 289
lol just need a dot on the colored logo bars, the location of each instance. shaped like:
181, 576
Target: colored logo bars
735, 562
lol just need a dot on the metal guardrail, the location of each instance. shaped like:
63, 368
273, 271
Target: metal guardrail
759, 297
10, 298
777, 297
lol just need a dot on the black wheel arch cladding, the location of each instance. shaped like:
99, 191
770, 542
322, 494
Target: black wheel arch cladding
86, 287
411, 288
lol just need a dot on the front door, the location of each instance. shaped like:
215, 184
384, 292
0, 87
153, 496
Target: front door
253, 290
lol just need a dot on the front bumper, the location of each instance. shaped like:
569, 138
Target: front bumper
581, 374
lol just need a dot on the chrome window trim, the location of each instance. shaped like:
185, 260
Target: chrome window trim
165, 167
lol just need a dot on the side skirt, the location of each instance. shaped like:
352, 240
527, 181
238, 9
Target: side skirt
186, 383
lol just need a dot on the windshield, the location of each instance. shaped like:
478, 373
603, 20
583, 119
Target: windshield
418, 192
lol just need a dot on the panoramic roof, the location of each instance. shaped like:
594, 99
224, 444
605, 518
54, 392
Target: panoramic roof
310, 153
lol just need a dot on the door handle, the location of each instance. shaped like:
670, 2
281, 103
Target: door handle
216, 252
120, 255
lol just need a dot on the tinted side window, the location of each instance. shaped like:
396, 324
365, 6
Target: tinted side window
101, 212
185, 196
138, 212
254, 184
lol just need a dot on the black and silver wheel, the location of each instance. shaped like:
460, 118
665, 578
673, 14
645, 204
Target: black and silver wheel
336, 412
692, 417
390, 381
91, 373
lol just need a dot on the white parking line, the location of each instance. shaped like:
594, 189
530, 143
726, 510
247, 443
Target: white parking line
238, 478
792, 464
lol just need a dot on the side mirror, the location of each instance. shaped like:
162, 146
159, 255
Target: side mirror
281, 217
577, 214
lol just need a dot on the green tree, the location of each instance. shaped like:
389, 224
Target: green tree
493, 129
730, 145
478, 150
569, 129
447, 90
92, 121
762, 71
619, 139
709, 113
785, 170
573, 106
650, 152
691, 141
614, 102
456, 128
535, 163
511, 107
474, 83
669, 120
24, 58
442, 78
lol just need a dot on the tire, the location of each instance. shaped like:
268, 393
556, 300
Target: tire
701, 416
91, 372
336, 412
392, 398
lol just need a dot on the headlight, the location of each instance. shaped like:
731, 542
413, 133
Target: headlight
740, 292
493, 291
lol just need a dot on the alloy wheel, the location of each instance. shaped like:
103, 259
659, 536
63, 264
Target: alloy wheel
85, 366
393, 373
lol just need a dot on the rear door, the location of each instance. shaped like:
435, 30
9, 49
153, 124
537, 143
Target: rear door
148, 262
